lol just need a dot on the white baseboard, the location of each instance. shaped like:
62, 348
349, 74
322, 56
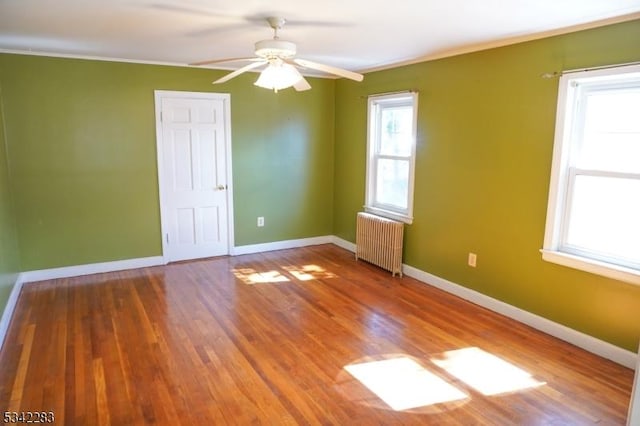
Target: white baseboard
10, 307
92, 268
281, 245
121, 265
347, 245
584, 341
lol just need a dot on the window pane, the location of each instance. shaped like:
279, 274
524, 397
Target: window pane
605, 217
611, 139
392, 183
395, 133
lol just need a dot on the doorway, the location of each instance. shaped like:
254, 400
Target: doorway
193, 133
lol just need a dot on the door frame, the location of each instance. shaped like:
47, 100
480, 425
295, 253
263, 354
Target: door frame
634, 403
159, 95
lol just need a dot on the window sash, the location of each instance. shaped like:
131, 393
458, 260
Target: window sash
566, 168
375, 202
564, 244
377, 105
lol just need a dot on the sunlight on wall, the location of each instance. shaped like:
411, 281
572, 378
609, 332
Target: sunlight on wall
403, 383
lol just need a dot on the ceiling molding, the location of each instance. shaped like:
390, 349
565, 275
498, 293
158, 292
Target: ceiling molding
505, 42
136, 61
430, 57
90, 58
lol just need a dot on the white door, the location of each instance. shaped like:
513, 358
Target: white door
194, 173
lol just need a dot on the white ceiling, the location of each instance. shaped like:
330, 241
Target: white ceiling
359, 35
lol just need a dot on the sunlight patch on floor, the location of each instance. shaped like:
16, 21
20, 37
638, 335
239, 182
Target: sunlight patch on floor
402, 383
251, 276
309, 272
486, 373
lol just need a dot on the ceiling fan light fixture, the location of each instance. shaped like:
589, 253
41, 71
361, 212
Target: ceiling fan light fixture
275, 49
281, 71
278, 75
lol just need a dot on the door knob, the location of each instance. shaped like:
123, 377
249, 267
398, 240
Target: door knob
221, 187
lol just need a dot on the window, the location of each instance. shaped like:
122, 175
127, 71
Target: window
593, 218
391, 148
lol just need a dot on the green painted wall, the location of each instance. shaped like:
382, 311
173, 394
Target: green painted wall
485, 139
81, 142
282, 161
9, 264
81, 137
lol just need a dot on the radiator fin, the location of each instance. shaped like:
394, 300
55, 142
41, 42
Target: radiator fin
379, 241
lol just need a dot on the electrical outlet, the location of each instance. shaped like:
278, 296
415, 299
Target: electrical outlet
260, 221
472, 260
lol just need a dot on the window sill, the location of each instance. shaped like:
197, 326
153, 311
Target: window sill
389, 214
594, 266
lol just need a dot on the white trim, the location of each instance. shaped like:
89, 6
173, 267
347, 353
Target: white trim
220, 67
584, 341
593, 266
158, 96
347, 245
456, 51
375, 105
478, 47
604, 173
9, 308
91, 57
559, 173
92, 268
570, 117
634, 404
164, 227
389, 214
229, 165
281, 245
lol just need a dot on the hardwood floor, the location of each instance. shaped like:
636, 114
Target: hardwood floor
265, 339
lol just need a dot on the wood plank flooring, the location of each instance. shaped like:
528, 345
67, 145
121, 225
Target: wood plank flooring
265, 339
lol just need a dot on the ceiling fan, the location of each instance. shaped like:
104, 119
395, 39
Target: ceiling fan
281, 69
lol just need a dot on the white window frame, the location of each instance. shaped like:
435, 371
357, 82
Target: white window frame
375, 105
563, 173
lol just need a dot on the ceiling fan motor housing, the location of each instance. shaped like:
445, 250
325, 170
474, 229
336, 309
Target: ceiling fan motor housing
275, 49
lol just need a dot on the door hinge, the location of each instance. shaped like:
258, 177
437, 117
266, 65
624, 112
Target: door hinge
167, 237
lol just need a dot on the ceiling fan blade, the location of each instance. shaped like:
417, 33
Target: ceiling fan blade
176, 6
239, 71
218, 29
329, 69
302, 85
222, 61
